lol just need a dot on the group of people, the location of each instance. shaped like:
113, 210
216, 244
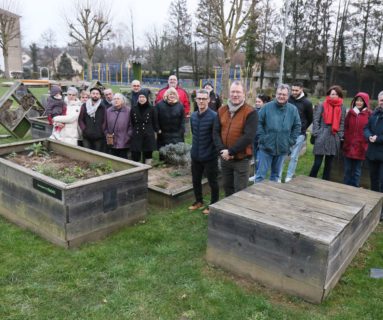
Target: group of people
235, 132
276, 129
116, 124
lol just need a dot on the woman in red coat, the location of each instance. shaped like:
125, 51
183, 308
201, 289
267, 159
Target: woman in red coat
355, 144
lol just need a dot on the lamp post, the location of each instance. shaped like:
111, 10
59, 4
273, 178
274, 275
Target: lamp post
284, 41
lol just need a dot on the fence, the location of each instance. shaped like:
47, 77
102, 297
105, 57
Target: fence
119, 74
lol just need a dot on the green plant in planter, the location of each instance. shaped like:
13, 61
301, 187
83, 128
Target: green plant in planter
102, 168
37, 150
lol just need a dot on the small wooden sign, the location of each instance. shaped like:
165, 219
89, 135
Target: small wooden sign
38, 126
47, 189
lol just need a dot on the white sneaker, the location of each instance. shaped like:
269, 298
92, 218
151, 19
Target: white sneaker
251, 179
288, 179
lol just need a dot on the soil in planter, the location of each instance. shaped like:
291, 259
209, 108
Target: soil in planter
60, 167
170, 177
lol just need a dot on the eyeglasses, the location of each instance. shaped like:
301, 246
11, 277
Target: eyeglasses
201, 99
71, 94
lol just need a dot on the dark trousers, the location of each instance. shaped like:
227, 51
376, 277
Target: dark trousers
97, 145
327, 166
210, 168
352, 171
235, 175
122, 153
376, 175
138, 155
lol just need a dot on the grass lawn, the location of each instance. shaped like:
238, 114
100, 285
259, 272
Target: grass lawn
157, 270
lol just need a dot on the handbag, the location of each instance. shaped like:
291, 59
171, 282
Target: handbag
110, 136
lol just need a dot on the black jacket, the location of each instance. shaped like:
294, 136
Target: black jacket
375, 127
203, 148
144, 123
305, 109
171, 122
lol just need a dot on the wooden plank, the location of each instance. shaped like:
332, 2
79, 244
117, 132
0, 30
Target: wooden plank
304, 203
128, 214
333, 191
306, 223
281, 251
8, 94
265, 275
340, 261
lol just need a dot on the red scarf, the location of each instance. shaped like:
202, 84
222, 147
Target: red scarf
332, 113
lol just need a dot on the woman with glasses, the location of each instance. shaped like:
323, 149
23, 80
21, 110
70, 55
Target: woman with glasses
328, 131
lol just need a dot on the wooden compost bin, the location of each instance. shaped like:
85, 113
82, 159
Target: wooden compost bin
40, 127
71, 214
298, 237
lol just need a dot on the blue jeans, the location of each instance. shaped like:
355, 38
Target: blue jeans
266, 161
352, 171
295, 151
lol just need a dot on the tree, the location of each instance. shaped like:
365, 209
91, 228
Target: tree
205, 13
34, 52
50, 48
8, 31
90, 28
227, 28
180, 31
156, 41
65, 69
362, 20
252, 37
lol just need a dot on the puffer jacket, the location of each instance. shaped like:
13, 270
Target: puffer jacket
375, 127
278, 128
355, 144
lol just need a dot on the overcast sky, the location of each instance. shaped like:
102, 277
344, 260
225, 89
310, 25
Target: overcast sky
37, 16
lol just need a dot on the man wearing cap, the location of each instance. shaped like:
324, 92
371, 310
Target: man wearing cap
182, 94
92, 121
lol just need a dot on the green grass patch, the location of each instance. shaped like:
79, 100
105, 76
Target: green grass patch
157, 270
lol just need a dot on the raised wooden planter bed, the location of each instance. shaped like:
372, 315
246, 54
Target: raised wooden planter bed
70, 214
298, 237
166, 197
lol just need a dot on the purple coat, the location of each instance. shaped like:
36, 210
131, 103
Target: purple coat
119, 120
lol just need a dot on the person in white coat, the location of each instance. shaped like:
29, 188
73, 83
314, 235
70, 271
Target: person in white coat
69, 121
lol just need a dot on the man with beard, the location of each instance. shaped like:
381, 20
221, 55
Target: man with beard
92, 122
305, 110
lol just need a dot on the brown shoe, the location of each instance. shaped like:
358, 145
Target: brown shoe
196, 205
206, 211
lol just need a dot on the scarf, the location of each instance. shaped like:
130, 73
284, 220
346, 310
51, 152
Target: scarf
91, 109
332, 113
234, 108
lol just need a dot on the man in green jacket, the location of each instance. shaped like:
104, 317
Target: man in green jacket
279, 126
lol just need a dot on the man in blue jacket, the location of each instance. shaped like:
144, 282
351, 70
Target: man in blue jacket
279, 126
203, 152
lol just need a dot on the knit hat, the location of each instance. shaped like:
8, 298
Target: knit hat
208, 83
144, 92
95, 88
55, 90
